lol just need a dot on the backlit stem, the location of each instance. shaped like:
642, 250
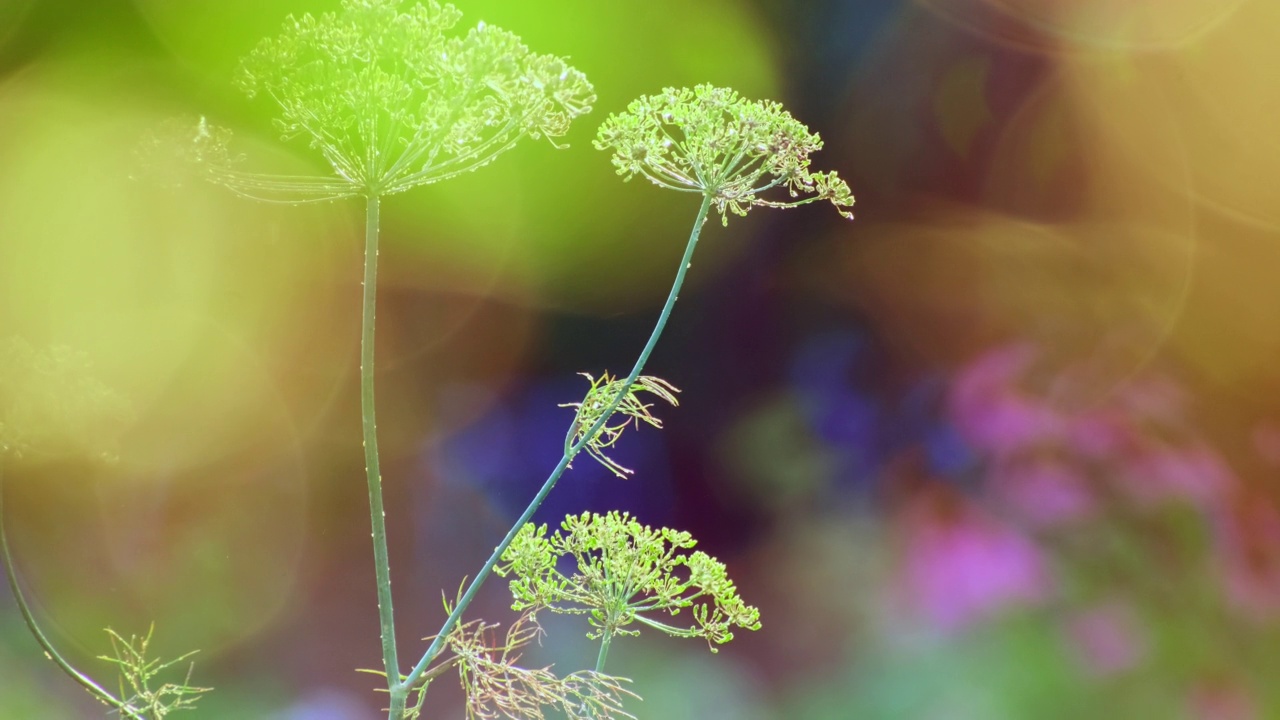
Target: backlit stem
369, 426
29, 618
436, 645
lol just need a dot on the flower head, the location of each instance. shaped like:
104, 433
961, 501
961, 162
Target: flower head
172, 150
710, 140
51, 404
626, 573
961, 566
394, 99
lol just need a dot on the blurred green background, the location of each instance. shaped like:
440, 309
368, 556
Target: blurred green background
1003, 447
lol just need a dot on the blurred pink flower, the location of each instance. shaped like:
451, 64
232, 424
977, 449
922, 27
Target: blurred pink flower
990, 411
1194, 473
1100, 433
1249, 558
993, 412
1266, 441
1108, 638
1221, 700
961, 567
1043, 492
1152, 398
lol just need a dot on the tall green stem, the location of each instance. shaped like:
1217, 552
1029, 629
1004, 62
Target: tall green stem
29, 618
369, 426
436, 645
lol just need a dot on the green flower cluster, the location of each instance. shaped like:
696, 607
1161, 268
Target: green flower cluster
393, 99
711, 141
626, 572
169, 152
51, 404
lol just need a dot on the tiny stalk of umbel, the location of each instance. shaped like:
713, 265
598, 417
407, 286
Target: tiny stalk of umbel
391, 98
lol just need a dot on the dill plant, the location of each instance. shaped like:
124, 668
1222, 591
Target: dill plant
393, 98
733, 152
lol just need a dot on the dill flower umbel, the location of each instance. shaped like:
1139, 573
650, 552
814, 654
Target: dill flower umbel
710, 140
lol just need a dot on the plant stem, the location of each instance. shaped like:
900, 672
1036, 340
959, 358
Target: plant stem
605, 639
369, 426
29, 618
473, 588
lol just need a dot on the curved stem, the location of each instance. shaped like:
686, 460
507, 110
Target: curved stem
369, 427
29, 618
473, 588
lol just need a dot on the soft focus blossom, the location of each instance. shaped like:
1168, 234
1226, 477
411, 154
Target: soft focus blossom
1138, 439
1152, 399
960, 566
1044, 492
1221, 700
1248, 558
1193, 473
1100, 433
1266, 442
992, 412
1107, 637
